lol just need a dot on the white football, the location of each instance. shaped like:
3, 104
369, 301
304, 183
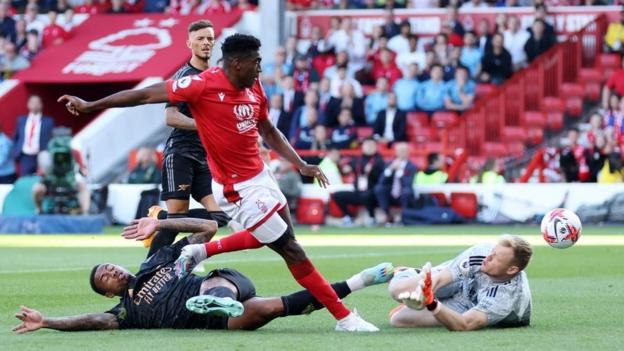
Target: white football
561, 228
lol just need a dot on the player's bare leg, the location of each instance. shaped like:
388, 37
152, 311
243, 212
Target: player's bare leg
405, 317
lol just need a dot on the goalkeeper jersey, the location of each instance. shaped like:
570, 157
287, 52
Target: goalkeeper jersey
506, 304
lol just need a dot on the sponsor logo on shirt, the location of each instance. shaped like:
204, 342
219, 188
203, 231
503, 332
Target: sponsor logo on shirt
245, 114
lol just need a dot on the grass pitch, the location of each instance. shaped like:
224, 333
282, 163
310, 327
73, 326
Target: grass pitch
578, 293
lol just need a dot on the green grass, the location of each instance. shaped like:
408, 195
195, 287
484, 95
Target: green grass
578, 298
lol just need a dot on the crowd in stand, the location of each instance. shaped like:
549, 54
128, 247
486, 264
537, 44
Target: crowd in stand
463, 4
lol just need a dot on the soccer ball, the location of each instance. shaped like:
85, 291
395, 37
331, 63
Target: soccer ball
561, 228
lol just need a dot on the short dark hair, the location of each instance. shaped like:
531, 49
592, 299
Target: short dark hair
92, 281
201, 24
239, 45
432, 157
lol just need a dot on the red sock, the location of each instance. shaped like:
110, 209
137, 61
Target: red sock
235, 242
308, 277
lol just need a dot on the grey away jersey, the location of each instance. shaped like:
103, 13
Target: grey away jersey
506, 304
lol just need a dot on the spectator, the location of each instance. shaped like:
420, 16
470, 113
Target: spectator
292, 98
430, 96
320, 141
20, 34
32, 134
515, 38
473, 5
31, 49
538, 42
31, 16
488, 174
391, 28
291, 52
349, 100
159, 6
615, 35
452, 17
12, 62
146, 170
573, 159
58, 6
342, 60
612, 113
386, 68
329, 166
453, 38
374, 43
541, 13
391, 123
471, 54
596, 130
441, 49
484, 36
289, 182
7, 23
395, 184
615, 123
7, 163
304, 136
413, 56
299, 117
615, 85
324, 94
452, 64
87, 7
365, 170
434, 174
279, 118
460, 91
342, 78
400, 43
317, 44
68, 21
53, 34
344, 136
304, 75
500, 23
406, 89
376, 101
612, 171
350, 40
496, 64
596, 156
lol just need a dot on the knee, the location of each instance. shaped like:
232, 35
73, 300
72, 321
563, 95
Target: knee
39, 189
396, 320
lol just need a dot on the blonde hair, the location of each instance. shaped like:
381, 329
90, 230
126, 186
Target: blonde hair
521, 248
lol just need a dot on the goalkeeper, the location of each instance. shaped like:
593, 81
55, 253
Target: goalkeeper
485, 286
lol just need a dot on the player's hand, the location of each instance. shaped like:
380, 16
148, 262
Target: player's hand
31, 320
74, 104
315, 171
426, 284
140, 229
190, 256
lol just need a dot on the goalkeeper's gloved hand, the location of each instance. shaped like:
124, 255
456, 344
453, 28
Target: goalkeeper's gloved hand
190, 256
423, 295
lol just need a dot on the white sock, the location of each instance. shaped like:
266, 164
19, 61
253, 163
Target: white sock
356, 282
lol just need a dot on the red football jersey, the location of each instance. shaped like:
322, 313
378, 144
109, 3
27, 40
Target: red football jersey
226, 119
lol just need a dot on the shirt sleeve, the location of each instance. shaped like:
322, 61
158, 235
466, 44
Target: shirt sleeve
185, 89
120, 313
469, 260
264, 104
497, 303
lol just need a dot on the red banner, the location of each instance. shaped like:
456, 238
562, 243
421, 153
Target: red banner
428, 22
119, 48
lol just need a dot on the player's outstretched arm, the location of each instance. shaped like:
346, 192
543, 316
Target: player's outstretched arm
177, 119
278, 142
150, 95
203, 230
33, 320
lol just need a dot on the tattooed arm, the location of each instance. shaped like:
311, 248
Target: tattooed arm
203, 230
33, 320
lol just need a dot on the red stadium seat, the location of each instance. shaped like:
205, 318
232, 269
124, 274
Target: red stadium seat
310, 211
444, 119
512, 133
552, 104
417, 119
568, 90
465, 204
534, 119
590, 75
434, 147
535, 136
612, 61
484, 90
421, 134
419, 161
440, 198
592, 91
492, 149
516, 149
554, 121
574, 106
363, 132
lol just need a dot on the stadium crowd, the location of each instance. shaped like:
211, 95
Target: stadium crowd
340, 89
